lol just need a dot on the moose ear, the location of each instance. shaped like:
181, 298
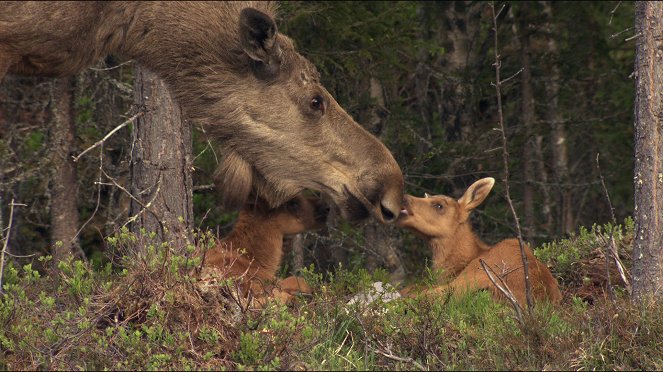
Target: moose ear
234, 179
257, 33
476, 193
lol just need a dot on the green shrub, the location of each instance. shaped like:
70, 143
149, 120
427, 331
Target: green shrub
148, 313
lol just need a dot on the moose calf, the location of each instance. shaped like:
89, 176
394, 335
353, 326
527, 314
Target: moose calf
252, 252
444, 222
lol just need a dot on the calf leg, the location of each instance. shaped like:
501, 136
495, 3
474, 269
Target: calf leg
294, 285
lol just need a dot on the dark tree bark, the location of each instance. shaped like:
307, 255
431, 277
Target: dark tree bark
64, 188
527, 118
546, 207
380, 240
297, 252
648, 244
459, 25
161, 164
559, 136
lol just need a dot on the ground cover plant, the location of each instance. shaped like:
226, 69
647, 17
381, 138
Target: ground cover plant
146, 310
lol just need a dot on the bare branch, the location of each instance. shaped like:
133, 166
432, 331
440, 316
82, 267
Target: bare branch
495, 16
633, 37
504, 288
5, 244
389, 354
621, 32
127, 122
512, 76
96, 207
611, 248
146, 207
20, 255
112, 67
505, 157
612, 13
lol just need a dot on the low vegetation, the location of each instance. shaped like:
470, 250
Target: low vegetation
147, 311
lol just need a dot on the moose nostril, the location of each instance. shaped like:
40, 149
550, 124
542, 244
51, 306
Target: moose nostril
386, 213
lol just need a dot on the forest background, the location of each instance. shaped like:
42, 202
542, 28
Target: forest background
416, 74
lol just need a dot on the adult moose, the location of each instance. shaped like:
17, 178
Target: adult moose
234, 74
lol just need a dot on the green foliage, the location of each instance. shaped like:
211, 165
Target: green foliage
152, 315
565, 257
33, 143
208, 212
148, 311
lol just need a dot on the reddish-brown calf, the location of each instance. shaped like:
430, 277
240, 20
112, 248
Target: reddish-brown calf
252, 252
444, 222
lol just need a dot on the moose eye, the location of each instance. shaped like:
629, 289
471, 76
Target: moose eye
318, 103
293, 205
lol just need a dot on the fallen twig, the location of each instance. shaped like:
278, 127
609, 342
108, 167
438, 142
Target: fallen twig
390, 355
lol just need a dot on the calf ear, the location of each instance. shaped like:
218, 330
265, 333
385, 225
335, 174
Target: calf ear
257, 33
476, 193
234, 179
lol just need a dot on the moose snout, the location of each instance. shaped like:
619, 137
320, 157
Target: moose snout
384, 193
389, 209
388, 203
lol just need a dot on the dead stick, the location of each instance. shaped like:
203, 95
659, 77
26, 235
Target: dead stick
504, 288
505, 157
127, 122
611, 248
5, 244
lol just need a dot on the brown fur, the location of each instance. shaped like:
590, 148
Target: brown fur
253, 250
235, 75
444, 223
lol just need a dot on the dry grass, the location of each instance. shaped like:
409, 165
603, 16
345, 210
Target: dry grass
151, 312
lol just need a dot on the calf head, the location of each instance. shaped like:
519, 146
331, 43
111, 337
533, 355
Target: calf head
292, 134
440, 216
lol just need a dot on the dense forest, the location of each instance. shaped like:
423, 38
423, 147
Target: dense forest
419, 75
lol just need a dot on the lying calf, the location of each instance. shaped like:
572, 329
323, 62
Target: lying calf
444, 222
252, 252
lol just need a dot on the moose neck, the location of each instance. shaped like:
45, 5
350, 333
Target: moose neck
453, 253
263, 243
207, 44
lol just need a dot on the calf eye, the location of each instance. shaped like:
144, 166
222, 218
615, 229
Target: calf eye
437, 206
318, 103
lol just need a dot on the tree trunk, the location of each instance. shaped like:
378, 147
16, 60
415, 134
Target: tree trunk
64, 188
648, 180
297, 252
379, 239
559, 137
459, 24
527, 117
546, 208
161, 164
